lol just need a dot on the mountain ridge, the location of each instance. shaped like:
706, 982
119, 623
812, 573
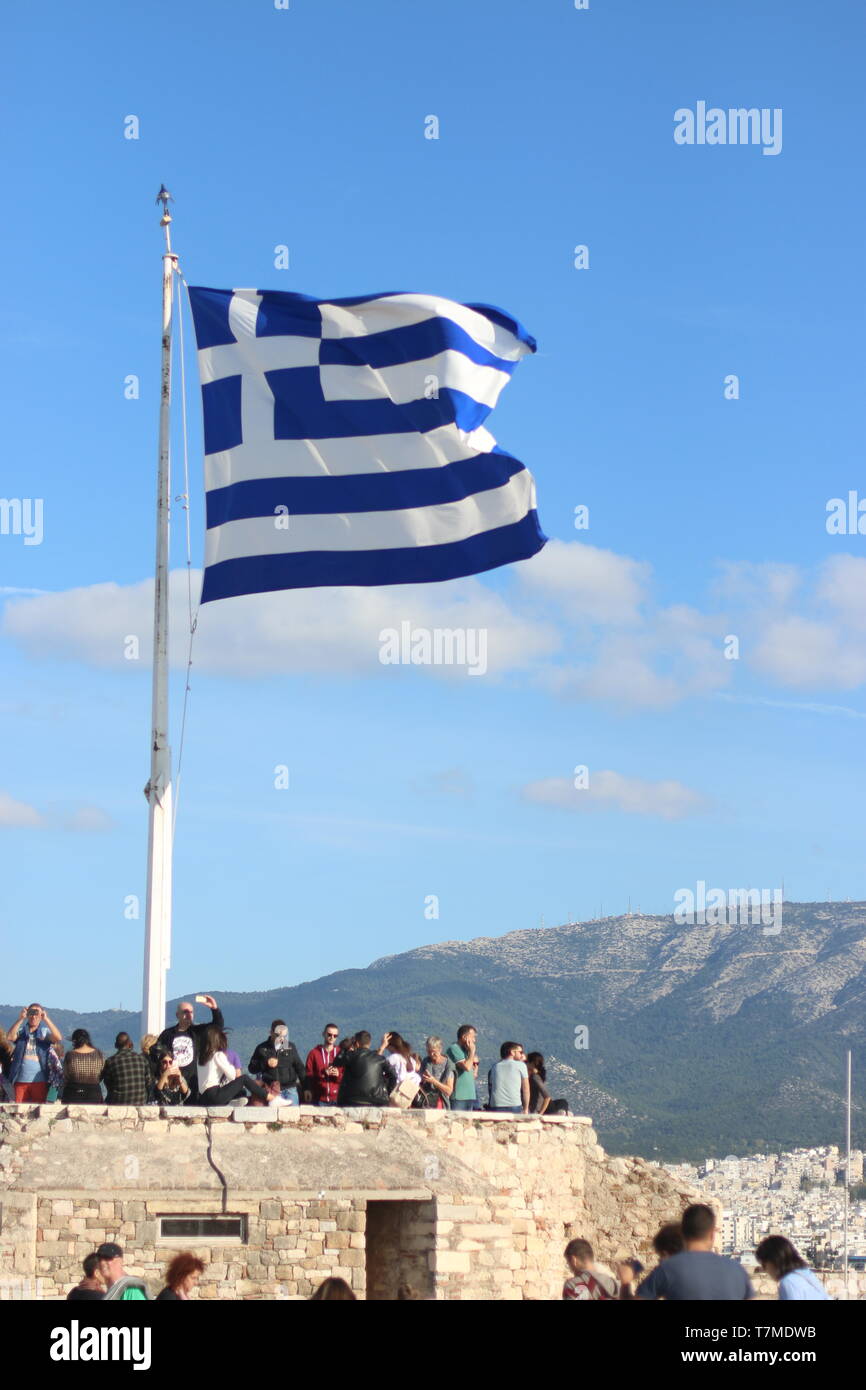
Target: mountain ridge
701, 1038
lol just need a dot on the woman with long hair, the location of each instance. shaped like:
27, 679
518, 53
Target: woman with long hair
82, 1070
218, 1081
181, 1277
398, 1055
540, 1102
777, 1257
539, 1096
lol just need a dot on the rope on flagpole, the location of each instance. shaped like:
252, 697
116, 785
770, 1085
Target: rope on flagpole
184, 501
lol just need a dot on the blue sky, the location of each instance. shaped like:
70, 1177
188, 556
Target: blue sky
305, 127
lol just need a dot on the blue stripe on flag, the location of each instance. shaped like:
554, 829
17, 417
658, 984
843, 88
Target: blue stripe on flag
414, 343
301, 411
361, 492
425, 564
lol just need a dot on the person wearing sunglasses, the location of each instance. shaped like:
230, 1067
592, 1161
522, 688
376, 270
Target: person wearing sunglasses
323, 1076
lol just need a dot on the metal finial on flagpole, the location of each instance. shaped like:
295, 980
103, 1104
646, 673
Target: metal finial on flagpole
157, 938
164, 197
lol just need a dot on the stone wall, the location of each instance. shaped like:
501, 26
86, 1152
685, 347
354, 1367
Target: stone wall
459, 1206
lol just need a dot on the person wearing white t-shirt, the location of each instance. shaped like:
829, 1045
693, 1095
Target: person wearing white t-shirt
218, 1081
398, 1055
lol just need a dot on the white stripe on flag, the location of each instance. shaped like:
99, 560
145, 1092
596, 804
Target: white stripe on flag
403, 310
319, 458
414, 381
415, 526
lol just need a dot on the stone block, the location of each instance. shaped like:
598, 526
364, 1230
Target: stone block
450, 1261
484, 1231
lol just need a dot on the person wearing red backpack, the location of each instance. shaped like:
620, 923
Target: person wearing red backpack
586, 1283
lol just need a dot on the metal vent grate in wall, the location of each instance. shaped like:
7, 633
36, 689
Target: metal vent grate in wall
203, 1228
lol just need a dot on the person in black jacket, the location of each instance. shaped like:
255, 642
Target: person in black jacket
367, 1078
182, 1040
278, 1056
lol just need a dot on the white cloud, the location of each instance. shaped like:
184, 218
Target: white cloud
579, 621
80, 819
750, 583
842, 587
611, 791
804, 652
802, 630
17, 813
300, 630
595, 585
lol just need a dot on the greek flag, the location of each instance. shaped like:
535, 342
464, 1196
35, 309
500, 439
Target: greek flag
344, 440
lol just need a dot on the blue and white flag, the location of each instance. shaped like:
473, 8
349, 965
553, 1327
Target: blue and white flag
345, 444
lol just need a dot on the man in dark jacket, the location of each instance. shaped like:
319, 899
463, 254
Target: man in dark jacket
278, 1057
182, 1040
367, 1078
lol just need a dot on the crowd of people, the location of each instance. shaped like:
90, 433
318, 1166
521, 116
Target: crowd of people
192, 1063
105, 1278
688, 1270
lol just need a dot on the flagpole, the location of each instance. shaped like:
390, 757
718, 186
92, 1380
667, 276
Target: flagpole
157, 938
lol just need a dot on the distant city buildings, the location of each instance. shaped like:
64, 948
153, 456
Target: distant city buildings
799, 1194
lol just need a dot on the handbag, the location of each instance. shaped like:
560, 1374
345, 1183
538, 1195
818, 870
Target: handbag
403, 1095
428, 1100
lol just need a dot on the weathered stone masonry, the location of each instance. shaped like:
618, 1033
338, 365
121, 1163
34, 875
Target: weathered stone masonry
459, 1206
